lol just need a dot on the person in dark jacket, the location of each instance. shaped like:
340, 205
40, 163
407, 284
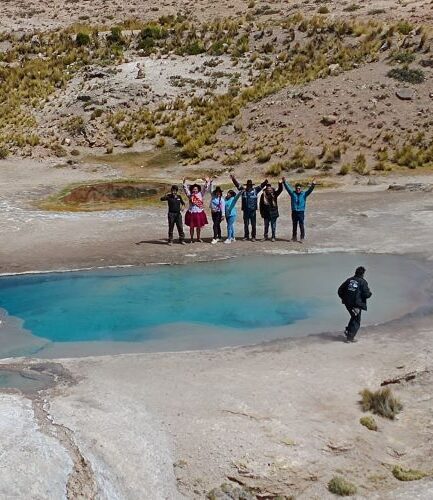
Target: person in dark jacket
299, 203
269, 209
354, 293
249, 205
175, 206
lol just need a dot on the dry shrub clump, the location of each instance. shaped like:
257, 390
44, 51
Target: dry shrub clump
369, 422
408, 474
339, 486
382, 402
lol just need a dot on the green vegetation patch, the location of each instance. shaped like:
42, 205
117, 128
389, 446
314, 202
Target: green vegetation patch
341, 487
408, 474
369, 422
408, 75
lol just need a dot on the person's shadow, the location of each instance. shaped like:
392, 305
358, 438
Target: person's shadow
152, 242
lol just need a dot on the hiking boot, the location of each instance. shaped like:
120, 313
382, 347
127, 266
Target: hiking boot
214, 241
353, 340
294, 239
272, 239
245, 238
191, 240
253, 239
169, 242
199, 240
182, 242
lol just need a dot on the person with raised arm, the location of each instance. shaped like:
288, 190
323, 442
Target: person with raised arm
269, 209
218, 208
299, 202
249, 205
231, 214
195, 217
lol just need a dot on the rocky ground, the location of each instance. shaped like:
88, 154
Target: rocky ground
29, 14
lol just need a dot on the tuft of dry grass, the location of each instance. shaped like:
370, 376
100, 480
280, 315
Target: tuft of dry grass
382, 402
341, 487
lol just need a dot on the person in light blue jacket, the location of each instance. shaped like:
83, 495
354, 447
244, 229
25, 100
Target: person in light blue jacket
231, 213
299, 201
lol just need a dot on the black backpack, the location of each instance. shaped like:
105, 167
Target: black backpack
352, 292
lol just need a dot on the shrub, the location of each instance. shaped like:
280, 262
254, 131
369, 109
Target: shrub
4, 153
408, 474
275, 169
344, 170
75, 125
369, 422
402, 56
323, 10
82, 39
360, 165
115, 37
408, 75
381, 402
339, 486
263, 156
404, 27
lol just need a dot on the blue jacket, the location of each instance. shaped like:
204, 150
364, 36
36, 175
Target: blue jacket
249, 198
299, 201
231, 210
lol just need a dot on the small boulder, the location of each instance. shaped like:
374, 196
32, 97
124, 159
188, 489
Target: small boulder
328, 120
334, 69
405, 94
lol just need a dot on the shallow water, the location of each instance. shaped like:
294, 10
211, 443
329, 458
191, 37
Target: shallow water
196, 306
11, 379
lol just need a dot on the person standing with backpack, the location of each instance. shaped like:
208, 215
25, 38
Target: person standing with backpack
354, 293
299, 203
249, 205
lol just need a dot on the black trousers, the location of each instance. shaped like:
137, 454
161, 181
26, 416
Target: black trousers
250, 218
217, 217
175, 218
298, 218
354, 323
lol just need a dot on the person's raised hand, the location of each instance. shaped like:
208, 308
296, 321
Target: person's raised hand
283, 179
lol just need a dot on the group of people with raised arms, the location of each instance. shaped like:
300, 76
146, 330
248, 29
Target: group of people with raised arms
224, 207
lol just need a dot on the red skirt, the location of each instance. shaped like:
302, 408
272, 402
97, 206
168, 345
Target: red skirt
195, 219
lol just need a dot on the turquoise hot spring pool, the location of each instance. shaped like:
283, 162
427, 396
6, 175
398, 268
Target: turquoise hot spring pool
202, 305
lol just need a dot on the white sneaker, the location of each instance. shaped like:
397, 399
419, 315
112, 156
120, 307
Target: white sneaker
227, 241
214, 241
233, 240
